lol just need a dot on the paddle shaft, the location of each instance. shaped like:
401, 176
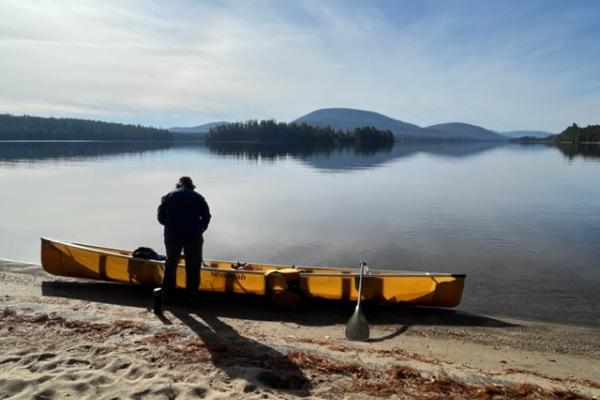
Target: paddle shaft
360, 279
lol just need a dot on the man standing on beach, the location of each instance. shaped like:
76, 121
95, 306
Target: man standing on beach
185, 215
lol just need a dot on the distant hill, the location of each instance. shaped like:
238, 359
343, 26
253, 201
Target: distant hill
198, 129
194, 132
348, 119
26, 127
535, 134
460, 130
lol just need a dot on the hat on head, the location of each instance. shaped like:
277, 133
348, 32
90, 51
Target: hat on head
186, 182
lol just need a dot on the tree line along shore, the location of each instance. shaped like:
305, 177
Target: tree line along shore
267, 131
37, 128
575, 134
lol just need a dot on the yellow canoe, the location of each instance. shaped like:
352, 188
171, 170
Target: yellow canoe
284, 284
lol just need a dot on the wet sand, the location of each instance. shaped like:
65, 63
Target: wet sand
64, 337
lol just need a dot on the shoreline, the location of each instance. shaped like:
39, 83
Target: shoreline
244, 348
459, 308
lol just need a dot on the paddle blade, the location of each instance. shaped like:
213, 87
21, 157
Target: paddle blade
357, 327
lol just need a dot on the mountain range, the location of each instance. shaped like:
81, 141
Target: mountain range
193, 132
348, 119
536, 134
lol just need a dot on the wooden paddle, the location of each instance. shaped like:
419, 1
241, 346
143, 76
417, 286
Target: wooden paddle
357, 327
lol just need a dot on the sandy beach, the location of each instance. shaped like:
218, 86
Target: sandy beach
66, 338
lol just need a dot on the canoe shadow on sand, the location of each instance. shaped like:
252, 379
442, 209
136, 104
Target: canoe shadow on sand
247, 307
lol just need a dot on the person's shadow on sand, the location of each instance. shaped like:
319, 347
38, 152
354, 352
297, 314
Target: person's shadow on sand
241, 357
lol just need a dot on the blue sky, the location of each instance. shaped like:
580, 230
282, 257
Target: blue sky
500, 64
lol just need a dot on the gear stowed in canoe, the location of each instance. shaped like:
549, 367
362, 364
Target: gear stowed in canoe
283, 284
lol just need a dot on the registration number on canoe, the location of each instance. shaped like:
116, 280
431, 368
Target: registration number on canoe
224, 275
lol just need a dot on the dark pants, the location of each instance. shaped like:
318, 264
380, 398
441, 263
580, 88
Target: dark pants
192, 251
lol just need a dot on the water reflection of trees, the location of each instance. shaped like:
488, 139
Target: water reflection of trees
324, 156
587, 151
38, 151
319, 155
274, 151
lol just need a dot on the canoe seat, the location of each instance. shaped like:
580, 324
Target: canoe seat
278, 280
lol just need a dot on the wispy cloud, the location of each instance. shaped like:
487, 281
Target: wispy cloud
504, 65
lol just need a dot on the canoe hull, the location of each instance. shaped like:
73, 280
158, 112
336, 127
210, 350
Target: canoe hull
391, 287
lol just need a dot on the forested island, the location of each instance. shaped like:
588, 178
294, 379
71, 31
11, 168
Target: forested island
37, 128
270, 131
575, 134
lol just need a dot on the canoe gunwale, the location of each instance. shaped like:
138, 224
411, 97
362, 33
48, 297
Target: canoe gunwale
104, 251
344, 272
384, 275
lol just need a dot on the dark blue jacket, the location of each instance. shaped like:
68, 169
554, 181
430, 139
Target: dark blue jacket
185, 215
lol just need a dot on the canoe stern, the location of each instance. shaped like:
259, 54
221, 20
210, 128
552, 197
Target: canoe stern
448, 292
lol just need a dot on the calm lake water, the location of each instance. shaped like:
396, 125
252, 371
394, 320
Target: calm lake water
523, 222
